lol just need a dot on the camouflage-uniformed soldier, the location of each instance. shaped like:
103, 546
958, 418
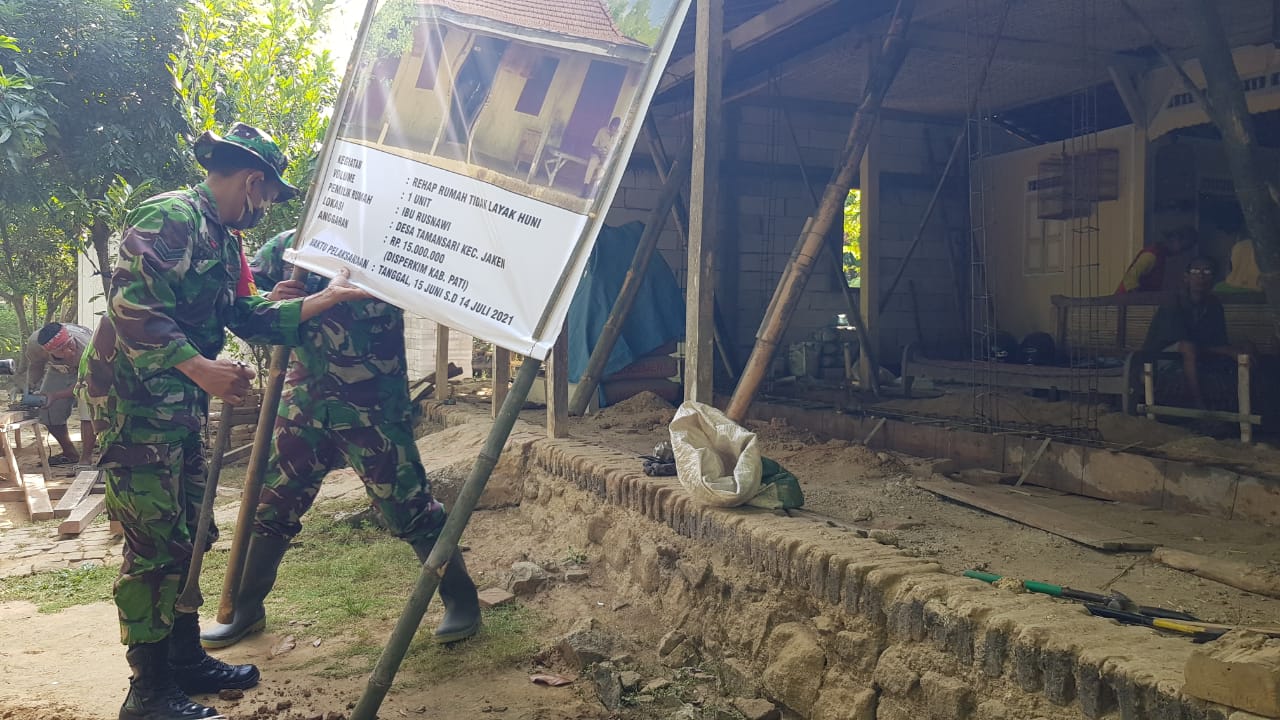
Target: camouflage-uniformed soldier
182, 278
346, 396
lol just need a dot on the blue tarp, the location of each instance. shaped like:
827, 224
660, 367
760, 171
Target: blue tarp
656, 318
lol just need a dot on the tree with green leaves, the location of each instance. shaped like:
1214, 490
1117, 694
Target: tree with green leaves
632, 19
852, 235
111, 114
24, 118
260, 63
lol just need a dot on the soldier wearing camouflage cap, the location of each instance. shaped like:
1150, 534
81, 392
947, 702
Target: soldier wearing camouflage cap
182, 279
346, 397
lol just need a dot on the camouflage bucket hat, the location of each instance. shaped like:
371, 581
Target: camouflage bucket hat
255, 142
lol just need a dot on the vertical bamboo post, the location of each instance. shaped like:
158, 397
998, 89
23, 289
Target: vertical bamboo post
1242, 392
501, 377
1149, 387
704, 207
558, 387
442, 391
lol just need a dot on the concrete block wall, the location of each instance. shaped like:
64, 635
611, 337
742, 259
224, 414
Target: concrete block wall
420, 347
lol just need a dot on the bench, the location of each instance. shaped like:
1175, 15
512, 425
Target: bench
1108, 326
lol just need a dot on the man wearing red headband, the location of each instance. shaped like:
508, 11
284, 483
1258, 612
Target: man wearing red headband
53, 357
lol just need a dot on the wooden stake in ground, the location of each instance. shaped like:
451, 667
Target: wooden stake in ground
810, 244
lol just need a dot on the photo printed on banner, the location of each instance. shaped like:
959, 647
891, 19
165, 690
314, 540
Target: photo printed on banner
477, 147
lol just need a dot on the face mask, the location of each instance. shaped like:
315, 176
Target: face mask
251, 215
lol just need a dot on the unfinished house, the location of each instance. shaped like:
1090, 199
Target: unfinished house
968, 308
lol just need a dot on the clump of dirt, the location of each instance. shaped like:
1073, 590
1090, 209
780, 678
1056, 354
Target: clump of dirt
780, 437
644, 411
1262, 457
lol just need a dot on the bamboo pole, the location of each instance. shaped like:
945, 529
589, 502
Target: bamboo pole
653, 226
809, 246
429, 578
279, 361
842, 282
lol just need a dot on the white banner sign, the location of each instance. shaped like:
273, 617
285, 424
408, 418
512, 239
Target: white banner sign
476, 153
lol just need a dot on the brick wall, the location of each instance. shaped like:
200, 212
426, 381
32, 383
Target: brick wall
765, 204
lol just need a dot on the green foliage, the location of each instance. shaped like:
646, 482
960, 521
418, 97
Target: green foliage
24, 119
633, 20
109, 103
852, 236
259, 63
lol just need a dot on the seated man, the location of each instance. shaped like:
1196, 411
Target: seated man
1194, 326
1146, 272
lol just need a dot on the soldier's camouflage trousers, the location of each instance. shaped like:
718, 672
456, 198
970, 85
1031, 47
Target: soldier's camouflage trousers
154, 490
384, 456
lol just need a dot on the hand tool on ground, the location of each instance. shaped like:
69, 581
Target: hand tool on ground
1116, 600
190, 600
1196, 631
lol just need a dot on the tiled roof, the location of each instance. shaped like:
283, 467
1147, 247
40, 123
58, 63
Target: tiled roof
587, 19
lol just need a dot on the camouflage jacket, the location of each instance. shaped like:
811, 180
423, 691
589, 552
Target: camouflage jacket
180, 282
349, 370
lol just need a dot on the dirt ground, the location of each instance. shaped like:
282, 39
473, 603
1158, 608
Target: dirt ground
76, 668
853, 484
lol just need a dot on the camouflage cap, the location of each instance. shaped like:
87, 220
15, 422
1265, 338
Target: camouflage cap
256, 143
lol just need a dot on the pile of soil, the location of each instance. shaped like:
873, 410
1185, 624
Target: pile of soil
643, 411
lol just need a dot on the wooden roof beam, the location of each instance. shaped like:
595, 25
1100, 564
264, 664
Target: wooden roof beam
1030, 52
768, 24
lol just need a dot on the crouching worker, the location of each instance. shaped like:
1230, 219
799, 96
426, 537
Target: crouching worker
346, 397
181, 281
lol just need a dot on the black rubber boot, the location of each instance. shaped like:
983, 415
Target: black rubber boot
196, 671
458, 594
153, 695
260, 567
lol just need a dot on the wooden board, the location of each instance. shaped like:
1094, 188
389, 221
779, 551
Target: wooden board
33, 489
80, 488
83, 515
1000, 501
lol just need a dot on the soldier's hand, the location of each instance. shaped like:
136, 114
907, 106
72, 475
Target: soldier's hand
340, 290
227, 380
343, 290
288, 290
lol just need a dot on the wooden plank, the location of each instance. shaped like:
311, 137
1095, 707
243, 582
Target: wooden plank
767, 24
83, 515
1224, 416
1007, 505
558, 394
1243, 576
238, 454
80, 487
708, 87
1035, 458
442, 389
33, 488
501, 377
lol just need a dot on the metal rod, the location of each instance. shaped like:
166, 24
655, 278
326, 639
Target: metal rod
653, 227
384, 671
951, 159
280, 357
